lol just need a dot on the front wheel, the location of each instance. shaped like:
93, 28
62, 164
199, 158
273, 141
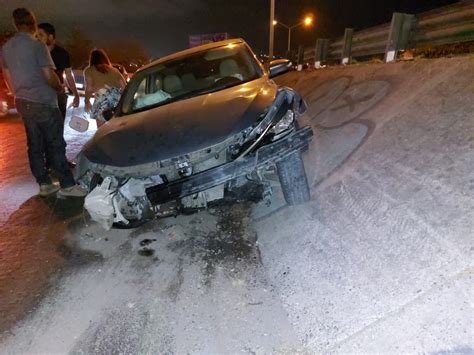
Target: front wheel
293, 179
132, 224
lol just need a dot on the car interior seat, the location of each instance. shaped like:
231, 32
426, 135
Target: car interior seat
189, 81
229, 67
172, 84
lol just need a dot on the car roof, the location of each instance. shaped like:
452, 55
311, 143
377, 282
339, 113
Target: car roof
193, 50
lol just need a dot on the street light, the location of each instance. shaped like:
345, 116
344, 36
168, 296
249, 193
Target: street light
307, 21
272, 25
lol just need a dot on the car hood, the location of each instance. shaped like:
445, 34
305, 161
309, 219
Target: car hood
180, 127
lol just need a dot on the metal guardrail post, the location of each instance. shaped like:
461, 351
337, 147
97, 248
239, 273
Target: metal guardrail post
300, 57
347, 48
399, 35
450, 24
322, 48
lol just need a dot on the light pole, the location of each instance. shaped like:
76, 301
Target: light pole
308, 21
272, 30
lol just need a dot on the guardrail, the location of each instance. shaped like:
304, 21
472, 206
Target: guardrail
446, 25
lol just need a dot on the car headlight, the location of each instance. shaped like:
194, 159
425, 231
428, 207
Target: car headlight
284, 124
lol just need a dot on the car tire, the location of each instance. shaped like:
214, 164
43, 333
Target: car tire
96, 180
293, 179
132, 224
135, 223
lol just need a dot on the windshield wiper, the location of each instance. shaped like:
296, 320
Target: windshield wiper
203, 91
200, 92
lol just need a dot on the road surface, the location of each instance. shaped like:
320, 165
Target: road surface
380, 260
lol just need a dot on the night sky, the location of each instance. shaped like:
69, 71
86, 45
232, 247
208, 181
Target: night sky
164, 25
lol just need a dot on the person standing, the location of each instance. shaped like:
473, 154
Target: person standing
29, 72
103, 80
47, 35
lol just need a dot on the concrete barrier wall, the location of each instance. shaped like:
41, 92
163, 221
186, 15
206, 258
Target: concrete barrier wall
380, 260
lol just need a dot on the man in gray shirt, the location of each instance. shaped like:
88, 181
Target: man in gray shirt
29, 72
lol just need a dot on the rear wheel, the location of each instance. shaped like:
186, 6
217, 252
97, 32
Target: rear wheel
293, 179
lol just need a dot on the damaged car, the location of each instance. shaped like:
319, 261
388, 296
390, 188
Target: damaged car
189, 129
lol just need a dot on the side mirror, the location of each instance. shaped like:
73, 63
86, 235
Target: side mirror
108, 113
279, 67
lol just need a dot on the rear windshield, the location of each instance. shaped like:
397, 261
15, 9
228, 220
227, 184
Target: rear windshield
194, 75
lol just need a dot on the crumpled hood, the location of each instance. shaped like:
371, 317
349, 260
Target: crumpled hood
181, 127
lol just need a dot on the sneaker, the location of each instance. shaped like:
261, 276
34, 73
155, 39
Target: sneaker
73, 191
47, 189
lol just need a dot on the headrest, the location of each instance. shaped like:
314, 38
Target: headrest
172, 83
228, 67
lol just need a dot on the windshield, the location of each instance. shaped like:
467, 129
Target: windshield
194, 75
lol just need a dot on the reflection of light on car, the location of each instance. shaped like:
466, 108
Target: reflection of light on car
231, 45
244, 89
3, 108
247, 92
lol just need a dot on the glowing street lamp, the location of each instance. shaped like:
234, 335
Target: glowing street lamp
307, 21
272, 30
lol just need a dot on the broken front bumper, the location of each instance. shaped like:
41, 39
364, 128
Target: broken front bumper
265, 156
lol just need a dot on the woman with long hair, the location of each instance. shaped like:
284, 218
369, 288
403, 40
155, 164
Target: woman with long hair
105, 82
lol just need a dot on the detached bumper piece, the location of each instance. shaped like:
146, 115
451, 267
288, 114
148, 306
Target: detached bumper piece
264, 156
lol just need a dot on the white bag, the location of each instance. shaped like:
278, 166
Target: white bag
78, 123
99, 204
103, 205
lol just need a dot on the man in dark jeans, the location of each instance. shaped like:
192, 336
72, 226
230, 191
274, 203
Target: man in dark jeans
62, 61
47, 34
29, 72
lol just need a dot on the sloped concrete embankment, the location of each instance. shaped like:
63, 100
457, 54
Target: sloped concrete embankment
381, 258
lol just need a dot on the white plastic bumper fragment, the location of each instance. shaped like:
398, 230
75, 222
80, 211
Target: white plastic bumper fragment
101, 204
132, 189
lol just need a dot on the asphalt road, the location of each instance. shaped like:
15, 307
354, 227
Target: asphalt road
163, 287
32, 229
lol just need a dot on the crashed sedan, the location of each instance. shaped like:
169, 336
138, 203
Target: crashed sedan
190, 128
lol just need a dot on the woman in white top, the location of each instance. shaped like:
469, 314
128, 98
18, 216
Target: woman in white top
103, 80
